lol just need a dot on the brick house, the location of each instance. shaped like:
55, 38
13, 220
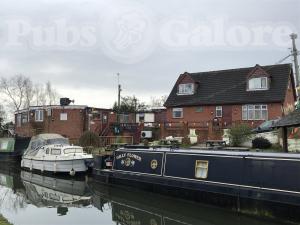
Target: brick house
70, 121
216, 99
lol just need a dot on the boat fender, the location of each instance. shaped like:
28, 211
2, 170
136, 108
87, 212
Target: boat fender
42, 169
54, 166
31, 165
72, 172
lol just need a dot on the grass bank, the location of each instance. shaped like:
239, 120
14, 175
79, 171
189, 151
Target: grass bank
4, 221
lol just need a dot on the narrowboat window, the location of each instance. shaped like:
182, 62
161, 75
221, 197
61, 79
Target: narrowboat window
55, 151
201, 169
4, 144
47, 151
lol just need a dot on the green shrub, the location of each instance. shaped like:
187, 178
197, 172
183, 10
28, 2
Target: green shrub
238, 134
89, 139
261, 143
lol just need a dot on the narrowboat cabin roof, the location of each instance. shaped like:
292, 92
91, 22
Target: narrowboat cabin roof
218, 152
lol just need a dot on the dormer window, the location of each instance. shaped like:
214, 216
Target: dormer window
258, 83
186, 89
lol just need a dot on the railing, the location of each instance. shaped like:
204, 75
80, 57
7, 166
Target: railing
111, 140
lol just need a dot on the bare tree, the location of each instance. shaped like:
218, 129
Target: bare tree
39, 94
17, 91
158, 101
51, 94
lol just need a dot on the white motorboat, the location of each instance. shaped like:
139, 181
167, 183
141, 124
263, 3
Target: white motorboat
53, 153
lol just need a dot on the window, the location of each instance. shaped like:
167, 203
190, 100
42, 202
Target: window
201, 169
177, 112
254, 112
124, 118
47, 151
24, 117
73, 150
4, 144
55, 151
141, 117
19, 120
64, 116
259, 83
199, 109
186, 89
39, 115
49, 112
219, 112
104, 118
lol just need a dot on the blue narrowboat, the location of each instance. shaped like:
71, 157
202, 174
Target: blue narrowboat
224, 178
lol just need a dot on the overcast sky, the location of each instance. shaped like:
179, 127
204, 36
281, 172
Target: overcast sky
80, 45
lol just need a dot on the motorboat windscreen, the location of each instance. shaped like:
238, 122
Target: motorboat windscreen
44, 139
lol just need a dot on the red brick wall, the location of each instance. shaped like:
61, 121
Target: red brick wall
190, 114
73, 127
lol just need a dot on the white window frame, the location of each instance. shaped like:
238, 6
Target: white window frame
255, 112
219, 111
201, 169
63, 116
261, 86
186, 89
39, 115
174, 110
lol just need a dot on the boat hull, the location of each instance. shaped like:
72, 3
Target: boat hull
231, 180
59, 166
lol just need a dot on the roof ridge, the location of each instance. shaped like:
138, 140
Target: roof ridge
241, 68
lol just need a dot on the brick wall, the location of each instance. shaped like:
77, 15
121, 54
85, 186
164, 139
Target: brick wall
77, 122
190, 113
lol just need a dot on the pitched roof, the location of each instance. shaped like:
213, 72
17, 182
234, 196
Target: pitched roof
230, 87
292, 119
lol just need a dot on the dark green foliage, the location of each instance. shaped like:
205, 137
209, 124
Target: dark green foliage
89, 139
186, 142
261, 143
129, 104
238, 134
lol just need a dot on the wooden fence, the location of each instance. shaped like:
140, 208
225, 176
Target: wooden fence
110, 140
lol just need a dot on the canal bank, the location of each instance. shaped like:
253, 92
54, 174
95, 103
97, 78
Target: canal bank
4, 221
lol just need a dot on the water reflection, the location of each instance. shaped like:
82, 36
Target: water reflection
27, 198
43, 191
138, 207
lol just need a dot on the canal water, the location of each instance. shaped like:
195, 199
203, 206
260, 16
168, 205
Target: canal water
28, 198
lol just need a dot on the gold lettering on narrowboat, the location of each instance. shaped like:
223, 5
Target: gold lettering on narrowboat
128, 159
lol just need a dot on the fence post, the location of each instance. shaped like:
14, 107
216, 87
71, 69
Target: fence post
185, 129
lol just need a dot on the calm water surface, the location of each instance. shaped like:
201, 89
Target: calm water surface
27, 198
